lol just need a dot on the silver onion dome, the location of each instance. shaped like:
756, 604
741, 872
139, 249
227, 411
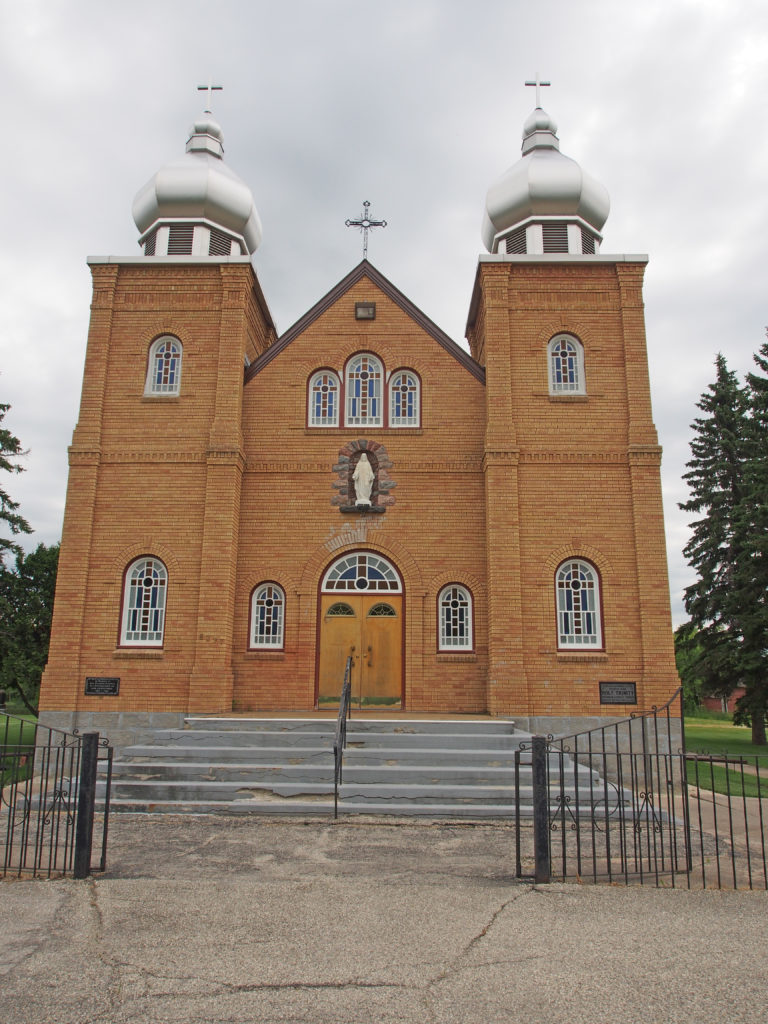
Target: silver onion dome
196, 205
545, 202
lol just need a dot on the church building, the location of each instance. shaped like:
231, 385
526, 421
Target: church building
480, 531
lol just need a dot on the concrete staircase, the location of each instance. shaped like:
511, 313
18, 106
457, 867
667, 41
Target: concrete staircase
448, 768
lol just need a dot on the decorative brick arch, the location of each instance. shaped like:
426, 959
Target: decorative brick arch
147, 546
393, 551
577, 549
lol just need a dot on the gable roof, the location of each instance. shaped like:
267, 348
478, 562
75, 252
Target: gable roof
366, 269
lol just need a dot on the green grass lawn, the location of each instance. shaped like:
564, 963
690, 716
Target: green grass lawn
718, 736
17, 735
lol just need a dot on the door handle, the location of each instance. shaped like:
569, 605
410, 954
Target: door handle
370, 652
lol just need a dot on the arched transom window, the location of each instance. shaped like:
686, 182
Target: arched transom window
364, 392
324, 399
267, 616
363, 572
404, 399
164, 370
455, 611
578, 605
566, 366
146, 584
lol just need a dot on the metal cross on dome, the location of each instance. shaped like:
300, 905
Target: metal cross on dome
210, 88
538, 83
365, 223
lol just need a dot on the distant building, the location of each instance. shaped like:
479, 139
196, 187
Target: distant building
225, 545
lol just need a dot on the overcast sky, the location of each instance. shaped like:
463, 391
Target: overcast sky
416, 105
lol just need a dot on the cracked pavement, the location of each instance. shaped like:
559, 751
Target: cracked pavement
206, 920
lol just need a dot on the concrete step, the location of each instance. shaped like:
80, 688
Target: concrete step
489, 726
391, 766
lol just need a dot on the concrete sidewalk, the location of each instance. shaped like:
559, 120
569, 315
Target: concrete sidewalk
239, 920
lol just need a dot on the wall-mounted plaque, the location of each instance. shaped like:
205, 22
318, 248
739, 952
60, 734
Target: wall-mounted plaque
618, 693
102, 686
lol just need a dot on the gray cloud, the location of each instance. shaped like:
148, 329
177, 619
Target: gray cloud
416, 106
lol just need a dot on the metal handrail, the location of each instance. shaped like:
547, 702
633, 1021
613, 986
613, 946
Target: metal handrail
340, 739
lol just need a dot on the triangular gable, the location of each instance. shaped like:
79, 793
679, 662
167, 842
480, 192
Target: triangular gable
366, 269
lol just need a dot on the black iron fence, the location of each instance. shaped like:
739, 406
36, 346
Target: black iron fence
627, 803
48, 805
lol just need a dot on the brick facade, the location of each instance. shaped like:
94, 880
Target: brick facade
229, 487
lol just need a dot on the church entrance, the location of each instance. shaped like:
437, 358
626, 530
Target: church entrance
361, 616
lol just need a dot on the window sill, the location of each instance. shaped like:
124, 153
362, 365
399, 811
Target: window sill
448, 656
259, 655
582, 656
156, 653
173, 399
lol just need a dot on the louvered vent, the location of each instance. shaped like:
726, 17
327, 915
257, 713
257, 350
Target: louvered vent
516, 242
587, 242
555, 236
149, 244
220, 244
180, 239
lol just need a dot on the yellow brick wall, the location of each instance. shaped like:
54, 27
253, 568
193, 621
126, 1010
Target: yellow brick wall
230, 488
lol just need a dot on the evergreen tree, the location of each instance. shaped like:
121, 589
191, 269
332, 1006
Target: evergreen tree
752, 571
26, 608
10, 448
723, 603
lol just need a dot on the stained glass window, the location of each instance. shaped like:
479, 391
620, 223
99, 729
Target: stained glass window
267, 616
324, 399
404, 399
363, 572
364, 392
455, 609
566, 366
164, 374
578, 605
146, 582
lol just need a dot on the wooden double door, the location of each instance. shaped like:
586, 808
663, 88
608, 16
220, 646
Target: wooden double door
369, 628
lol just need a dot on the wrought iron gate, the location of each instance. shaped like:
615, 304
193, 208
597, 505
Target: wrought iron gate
48, 803
627, 803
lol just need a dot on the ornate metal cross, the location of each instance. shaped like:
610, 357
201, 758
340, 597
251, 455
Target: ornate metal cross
210, 88
538, 83
365, 223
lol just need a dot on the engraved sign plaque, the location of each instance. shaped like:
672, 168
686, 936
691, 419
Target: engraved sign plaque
618, 693
102, 686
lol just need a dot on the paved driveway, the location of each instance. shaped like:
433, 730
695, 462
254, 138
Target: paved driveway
238, 920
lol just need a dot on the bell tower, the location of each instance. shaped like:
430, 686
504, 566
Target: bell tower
576, 560
156, 460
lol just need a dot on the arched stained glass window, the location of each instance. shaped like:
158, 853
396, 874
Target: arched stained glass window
578, 605
455, 611
404, 399
267, 616
324, 399
385, 611
362, 572
146, 584
340, 610
566, 366
364, 392
164, 370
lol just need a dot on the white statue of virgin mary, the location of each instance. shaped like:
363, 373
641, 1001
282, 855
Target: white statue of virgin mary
363, 478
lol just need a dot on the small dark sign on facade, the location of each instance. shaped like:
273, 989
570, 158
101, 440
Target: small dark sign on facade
618, 693
102, 686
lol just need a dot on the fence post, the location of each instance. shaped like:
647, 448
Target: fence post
540, 808
86, 804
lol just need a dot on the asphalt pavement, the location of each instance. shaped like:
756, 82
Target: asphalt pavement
216, 919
